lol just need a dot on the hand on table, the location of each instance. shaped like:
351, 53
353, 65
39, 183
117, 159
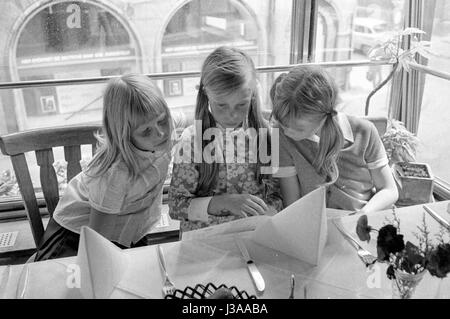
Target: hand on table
239, 205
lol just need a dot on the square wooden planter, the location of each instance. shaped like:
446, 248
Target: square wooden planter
417, 183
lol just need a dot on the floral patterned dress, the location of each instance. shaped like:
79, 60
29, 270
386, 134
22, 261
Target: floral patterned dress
233, 178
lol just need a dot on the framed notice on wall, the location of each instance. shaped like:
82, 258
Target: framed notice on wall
173, 87
48, 104
72, 99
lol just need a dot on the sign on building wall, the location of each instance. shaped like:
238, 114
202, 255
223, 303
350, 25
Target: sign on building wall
74, 98
48, 104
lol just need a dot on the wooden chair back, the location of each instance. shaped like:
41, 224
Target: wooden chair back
42, 142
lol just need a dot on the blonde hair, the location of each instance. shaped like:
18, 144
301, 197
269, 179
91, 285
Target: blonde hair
311, 91
128, 101
224, 71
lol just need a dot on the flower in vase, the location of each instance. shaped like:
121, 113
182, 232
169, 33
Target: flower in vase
389, 242
363, 229
439, 261
390, 272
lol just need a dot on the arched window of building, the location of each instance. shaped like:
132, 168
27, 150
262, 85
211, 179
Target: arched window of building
64, 40
194, 31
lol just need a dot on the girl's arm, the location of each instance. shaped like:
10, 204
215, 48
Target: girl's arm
386, 190
182, 191
102, 223
290, 190
185, 205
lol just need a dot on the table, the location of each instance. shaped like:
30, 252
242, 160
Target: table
340, 273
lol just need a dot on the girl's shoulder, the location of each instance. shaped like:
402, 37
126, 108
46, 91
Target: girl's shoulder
360, 125
116, 174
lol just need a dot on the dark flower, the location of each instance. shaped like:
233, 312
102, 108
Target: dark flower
412, 257
390, 272
388, 242
363, 229
413, 254
439, 261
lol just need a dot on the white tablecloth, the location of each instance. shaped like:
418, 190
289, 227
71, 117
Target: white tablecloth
340, 273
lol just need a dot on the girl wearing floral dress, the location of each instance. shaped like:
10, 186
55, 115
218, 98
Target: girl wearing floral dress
207, 187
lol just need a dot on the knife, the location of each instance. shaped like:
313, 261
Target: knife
254, 272
23, 283
437, 217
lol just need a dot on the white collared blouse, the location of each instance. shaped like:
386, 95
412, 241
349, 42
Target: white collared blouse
135, 203
363, 151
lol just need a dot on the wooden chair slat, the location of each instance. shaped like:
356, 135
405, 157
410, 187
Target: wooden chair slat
20, 167
49, 181
72, 154
39, 139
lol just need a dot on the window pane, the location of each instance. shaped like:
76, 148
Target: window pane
435, 113
434, 127
440, 35
84, 39
347, 29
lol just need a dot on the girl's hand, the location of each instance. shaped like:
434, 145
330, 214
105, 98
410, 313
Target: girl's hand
238, 205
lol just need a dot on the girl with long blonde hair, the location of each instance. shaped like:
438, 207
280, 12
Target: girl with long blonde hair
209, 192
119, 194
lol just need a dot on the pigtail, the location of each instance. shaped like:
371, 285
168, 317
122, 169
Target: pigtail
256, 121
331, 143
208, 172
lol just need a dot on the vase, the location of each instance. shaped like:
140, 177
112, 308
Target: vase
441, 293
404, 284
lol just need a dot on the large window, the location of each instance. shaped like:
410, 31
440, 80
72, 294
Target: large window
346, 32
193, 32
435, 113
61, 39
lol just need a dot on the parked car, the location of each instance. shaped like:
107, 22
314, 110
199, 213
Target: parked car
367, 32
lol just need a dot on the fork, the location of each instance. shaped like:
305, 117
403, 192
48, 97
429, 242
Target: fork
366, 257
168, 287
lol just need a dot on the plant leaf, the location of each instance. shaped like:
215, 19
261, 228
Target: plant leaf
404, 64
409, 31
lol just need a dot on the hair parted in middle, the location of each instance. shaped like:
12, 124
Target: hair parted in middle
308, 91
225, 71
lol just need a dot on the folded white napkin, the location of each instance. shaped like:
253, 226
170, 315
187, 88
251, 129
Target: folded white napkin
102, 264
106, 271
299, 230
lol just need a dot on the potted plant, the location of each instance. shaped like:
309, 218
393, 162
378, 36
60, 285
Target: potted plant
414, 180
